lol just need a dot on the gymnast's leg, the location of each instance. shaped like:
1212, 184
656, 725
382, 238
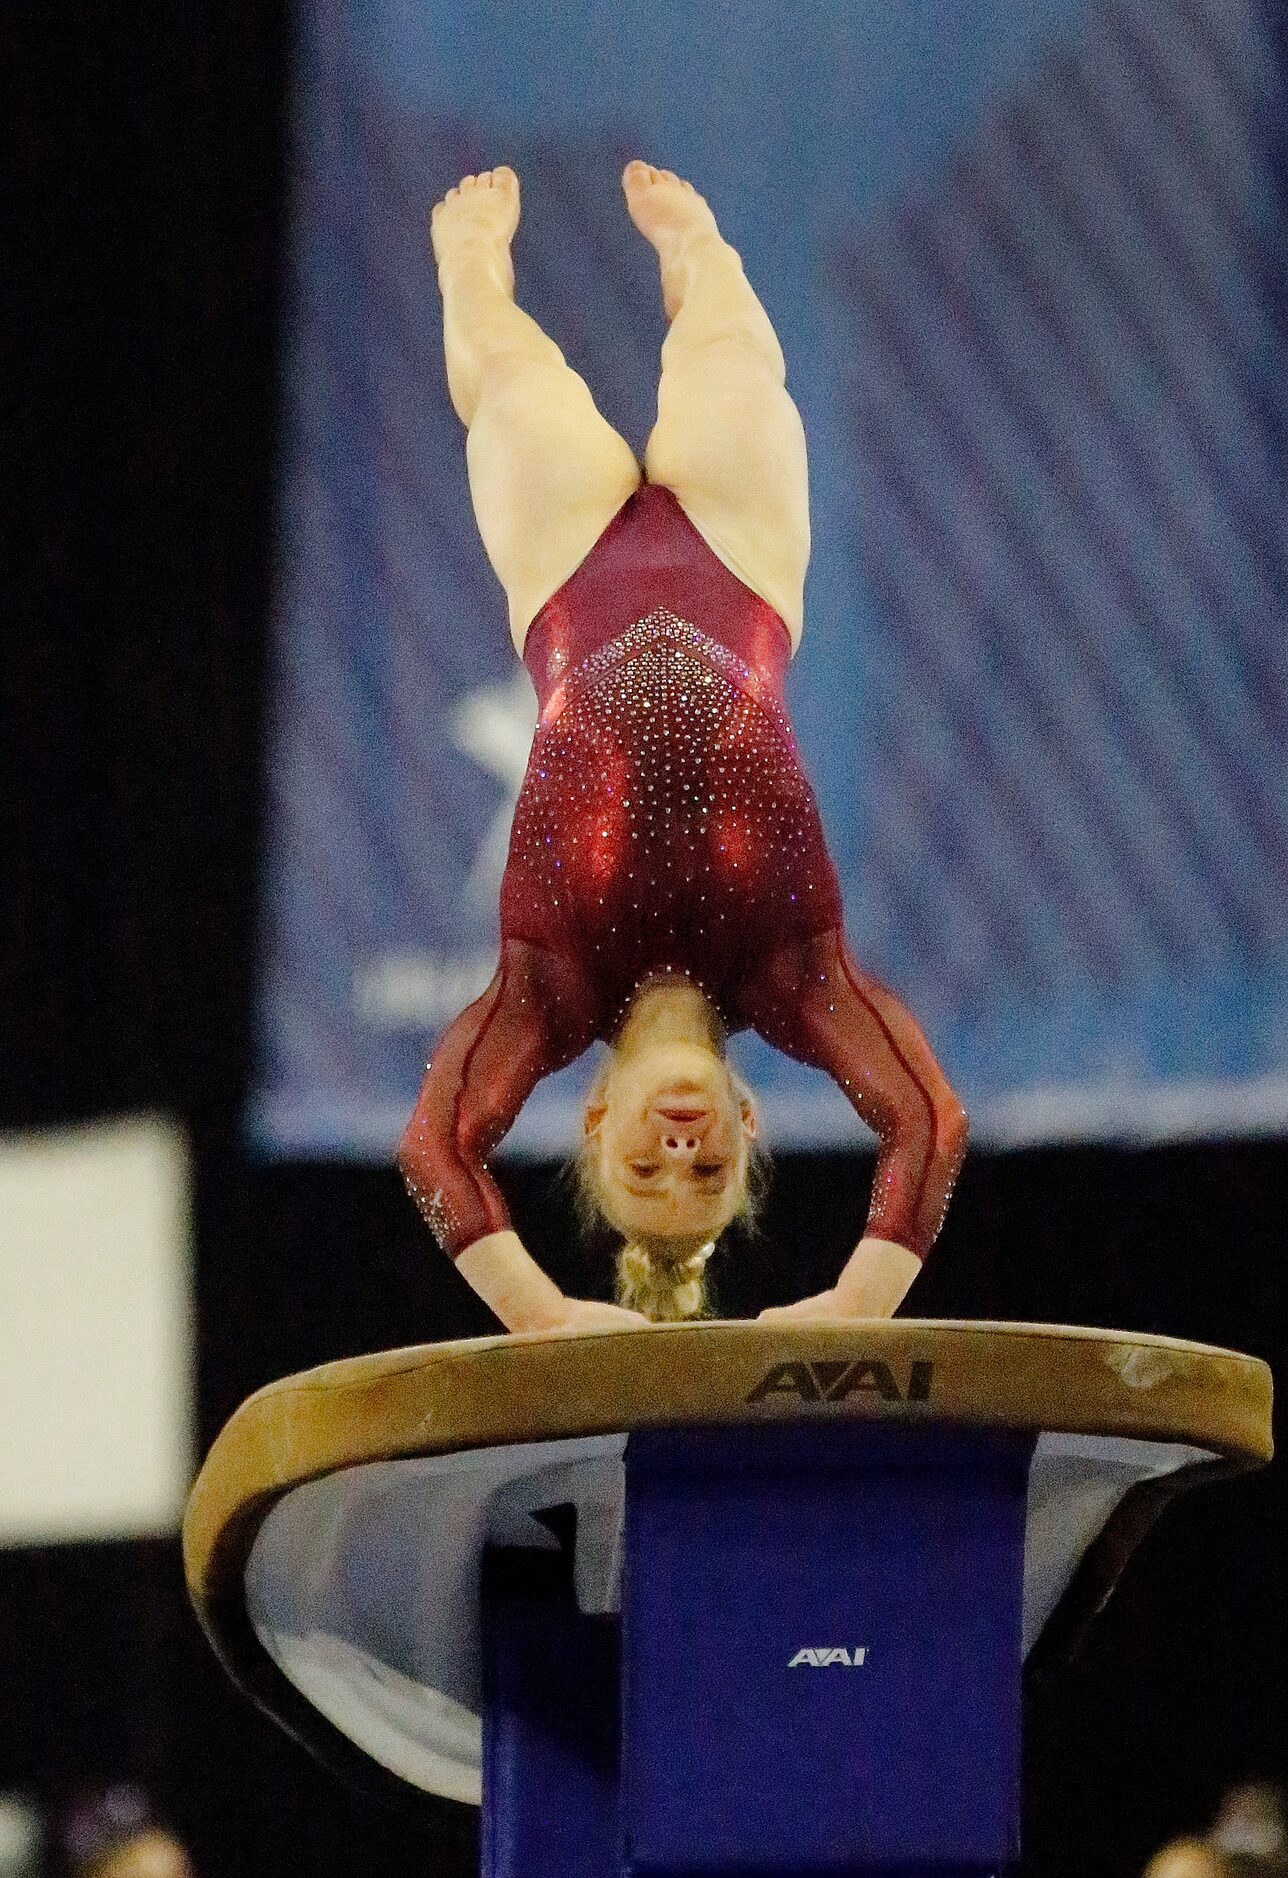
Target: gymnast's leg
547, 472
728, 439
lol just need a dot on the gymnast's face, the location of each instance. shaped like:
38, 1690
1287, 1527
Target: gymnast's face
672, 1137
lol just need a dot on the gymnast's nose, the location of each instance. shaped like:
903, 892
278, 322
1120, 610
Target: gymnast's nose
680, 1144
680, 1131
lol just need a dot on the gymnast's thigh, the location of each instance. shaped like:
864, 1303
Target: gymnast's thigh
547, 475
729, 442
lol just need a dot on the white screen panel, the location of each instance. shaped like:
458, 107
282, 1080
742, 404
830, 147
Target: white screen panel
96, 1338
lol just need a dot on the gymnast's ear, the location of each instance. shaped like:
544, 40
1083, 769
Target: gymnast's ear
749, 1120
595, 1113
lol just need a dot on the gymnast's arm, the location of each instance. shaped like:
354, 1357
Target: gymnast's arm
813, 1002
532, 1019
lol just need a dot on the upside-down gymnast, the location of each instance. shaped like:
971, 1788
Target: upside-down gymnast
668, 882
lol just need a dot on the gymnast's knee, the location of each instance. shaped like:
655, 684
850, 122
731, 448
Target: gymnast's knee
747, 355
519, 379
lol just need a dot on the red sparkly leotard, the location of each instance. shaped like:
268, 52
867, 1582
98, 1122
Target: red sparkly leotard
665, 824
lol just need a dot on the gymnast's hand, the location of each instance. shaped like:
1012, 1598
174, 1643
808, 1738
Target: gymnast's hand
586, 1314
873, 1284
525, 1298
825, 1304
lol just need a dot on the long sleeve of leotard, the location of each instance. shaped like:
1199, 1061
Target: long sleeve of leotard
812, 1001
533, 1018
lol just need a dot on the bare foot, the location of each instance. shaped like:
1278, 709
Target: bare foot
670, 213
480, 210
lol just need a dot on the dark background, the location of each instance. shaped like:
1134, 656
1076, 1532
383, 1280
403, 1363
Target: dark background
151, 149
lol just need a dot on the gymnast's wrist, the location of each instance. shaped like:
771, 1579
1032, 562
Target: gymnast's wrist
511, 1283
877, 1277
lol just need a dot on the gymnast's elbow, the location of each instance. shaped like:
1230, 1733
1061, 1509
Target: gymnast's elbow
952, 1128
935, 1131
421, 1169
409, 1154
417, 1157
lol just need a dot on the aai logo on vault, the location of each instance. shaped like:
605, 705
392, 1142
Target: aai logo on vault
828, 1658
834, 1381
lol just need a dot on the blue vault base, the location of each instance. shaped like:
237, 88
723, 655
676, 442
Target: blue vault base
816, 1670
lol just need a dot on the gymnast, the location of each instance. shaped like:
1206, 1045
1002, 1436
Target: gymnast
668, 882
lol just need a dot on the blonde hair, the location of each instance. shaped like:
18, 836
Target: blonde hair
663, 1276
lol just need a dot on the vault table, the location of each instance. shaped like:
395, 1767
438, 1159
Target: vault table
728, 1598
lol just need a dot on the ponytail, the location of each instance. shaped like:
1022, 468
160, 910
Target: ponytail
663, 1280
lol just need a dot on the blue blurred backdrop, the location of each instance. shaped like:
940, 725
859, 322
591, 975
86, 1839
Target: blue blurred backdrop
1025, 261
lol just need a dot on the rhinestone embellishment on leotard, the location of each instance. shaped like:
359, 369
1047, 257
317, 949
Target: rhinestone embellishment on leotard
662, 626
665, 821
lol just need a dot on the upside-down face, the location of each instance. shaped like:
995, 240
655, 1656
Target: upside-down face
671, 1135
